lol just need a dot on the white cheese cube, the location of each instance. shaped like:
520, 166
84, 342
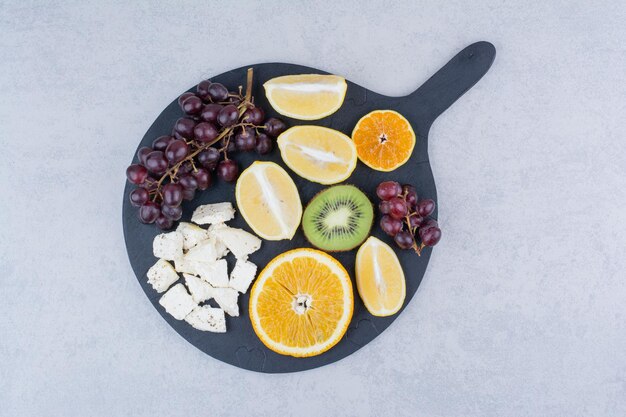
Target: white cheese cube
215, 274
242, 275
207, 319
226, 298
178, 302
203, 252
238, 241
192, 234
200, 290
168, 246
161, 275
213, 213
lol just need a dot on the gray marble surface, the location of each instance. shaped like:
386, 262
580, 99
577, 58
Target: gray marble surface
521, 312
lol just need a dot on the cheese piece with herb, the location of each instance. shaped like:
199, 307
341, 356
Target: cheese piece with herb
226, 298
178, 302
213, 213
168, 246
204, 251
192, 234
238, 241
207, 319
200, 289
161, 275
242, 275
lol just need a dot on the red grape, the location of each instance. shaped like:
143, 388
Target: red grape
176, 151
136, 174
264, 144
156, 162
192, 105
430, 236
217, 92
255, 115
184, 127
174, 213
209, 158
139, 196
188, 182
203, 178
429, 223
229, 144
245, 140
410, 194
172, 194
203, 89
189, 194
388, 190
425, 207
228, 170
205, 132
384, 207
390, 225
228, 116
149, 212
164, 223
398, 208
183, 97
210, 111
161, 143
415, 220
142, 153
403, 239
274, 127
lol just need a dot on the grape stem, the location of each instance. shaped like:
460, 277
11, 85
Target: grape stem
243, 106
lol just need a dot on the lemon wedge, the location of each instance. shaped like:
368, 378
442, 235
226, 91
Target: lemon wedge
379, 278
318, 153
269, 201
306, 96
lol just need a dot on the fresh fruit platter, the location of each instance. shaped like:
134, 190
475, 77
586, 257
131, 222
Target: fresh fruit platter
279, 218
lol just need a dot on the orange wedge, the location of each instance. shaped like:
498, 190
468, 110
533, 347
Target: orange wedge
379, 278
384, 140
301, 303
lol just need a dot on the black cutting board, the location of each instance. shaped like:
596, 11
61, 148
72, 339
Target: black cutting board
240, 346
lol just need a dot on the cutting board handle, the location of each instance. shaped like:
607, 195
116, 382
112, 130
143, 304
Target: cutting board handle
451, 82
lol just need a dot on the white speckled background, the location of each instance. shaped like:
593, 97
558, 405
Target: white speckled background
522, 311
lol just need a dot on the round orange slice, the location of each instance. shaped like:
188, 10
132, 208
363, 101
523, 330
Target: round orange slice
301, 303
384, 140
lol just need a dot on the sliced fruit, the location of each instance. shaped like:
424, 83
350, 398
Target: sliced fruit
338, 218
301, 303
306, 96
384, 140
269, 201
318, 153
379, 278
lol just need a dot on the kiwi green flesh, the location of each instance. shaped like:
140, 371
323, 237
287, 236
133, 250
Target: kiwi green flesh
338, 218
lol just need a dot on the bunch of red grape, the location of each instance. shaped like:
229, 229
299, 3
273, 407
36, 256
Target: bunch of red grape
217, 123
405, 217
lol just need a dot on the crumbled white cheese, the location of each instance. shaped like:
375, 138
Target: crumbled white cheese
161, 275
177, 302
215, 274
203, 252
213, 213
207, 319
242, 275
168, 245
238, 241
192, 234
200, 290
226, 298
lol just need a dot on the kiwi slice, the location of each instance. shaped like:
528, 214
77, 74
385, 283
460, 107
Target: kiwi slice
338, 218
